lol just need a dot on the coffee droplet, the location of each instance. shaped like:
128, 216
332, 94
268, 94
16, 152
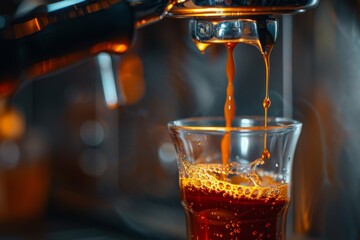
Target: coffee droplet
265, 155
266, 103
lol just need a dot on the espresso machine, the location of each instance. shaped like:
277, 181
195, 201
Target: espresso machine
89, 86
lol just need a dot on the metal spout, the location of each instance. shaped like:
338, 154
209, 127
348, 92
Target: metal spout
261, 32
240, 21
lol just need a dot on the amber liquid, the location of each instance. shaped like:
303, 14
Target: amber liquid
217, 210
230, 107
266, 103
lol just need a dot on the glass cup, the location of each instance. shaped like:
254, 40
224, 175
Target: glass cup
242, 197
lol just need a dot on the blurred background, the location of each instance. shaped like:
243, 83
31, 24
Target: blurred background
74, 167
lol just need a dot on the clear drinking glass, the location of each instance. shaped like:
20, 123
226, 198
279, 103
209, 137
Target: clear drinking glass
244, 196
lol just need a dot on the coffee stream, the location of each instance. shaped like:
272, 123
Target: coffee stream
266, 103
230, 108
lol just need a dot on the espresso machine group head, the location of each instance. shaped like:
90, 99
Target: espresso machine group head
238, 21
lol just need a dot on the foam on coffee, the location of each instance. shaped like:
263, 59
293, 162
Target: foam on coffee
238, 185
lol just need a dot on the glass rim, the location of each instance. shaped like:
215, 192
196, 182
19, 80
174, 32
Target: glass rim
275, 124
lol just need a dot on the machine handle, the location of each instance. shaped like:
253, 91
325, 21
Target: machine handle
54, 36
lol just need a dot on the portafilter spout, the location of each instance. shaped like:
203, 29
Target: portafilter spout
240, 21
260, 32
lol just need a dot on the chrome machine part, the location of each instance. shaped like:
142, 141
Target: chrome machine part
260, 32
244, 21
233, 8
149, 11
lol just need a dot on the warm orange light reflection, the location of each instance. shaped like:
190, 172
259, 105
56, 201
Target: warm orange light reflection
12, 124
201, 46
96, 6
24, 193
54, 64
317, 155
41, 21
109, 47
8, 86
131, 78
23, 29
120, 48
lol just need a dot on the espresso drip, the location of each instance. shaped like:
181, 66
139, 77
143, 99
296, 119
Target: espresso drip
266, 103
229, 107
